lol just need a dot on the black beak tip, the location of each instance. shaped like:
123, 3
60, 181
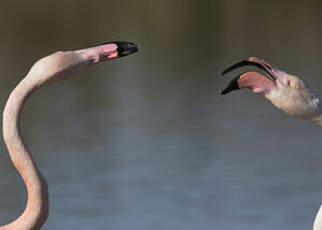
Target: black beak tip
125, 48
223, 92
227, 90
233, 85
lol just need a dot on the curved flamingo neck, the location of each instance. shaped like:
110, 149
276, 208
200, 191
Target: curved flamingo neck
55, 67
36, 210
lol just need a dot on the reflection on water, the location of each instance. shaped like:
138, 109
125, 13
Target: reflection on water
146, 142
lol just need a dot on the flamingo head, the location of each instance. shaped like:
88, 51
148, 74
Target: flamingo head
287, 92
63, 64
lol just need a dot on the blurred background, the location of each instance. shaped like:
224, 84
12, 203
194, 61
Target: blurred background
146, 141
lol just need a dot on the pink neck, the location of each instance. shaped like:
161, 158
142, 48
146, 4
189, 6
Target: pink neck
36, 211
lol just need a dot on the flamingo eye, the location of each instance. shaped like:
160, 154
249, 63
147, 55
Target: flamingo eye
294, 84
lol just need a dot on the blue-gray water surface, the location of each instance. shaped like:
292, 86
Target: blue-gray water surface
146, 141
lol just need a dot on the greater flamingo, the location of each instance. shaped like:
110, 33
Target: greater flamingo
57, 66
287, 92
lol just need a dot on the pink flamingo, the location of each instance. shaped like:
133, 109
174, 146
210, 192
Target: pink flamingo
287, 92
55, 67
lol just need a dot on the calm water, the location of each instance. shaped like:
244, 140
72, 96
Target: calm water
146, 142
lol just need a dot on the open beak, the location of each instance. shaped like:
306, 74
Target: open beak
252, 61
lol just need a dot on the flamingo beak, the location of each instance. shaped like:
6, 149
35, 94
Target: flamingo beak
271, 72
108, 50
253, 61
258, 82
122, 48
